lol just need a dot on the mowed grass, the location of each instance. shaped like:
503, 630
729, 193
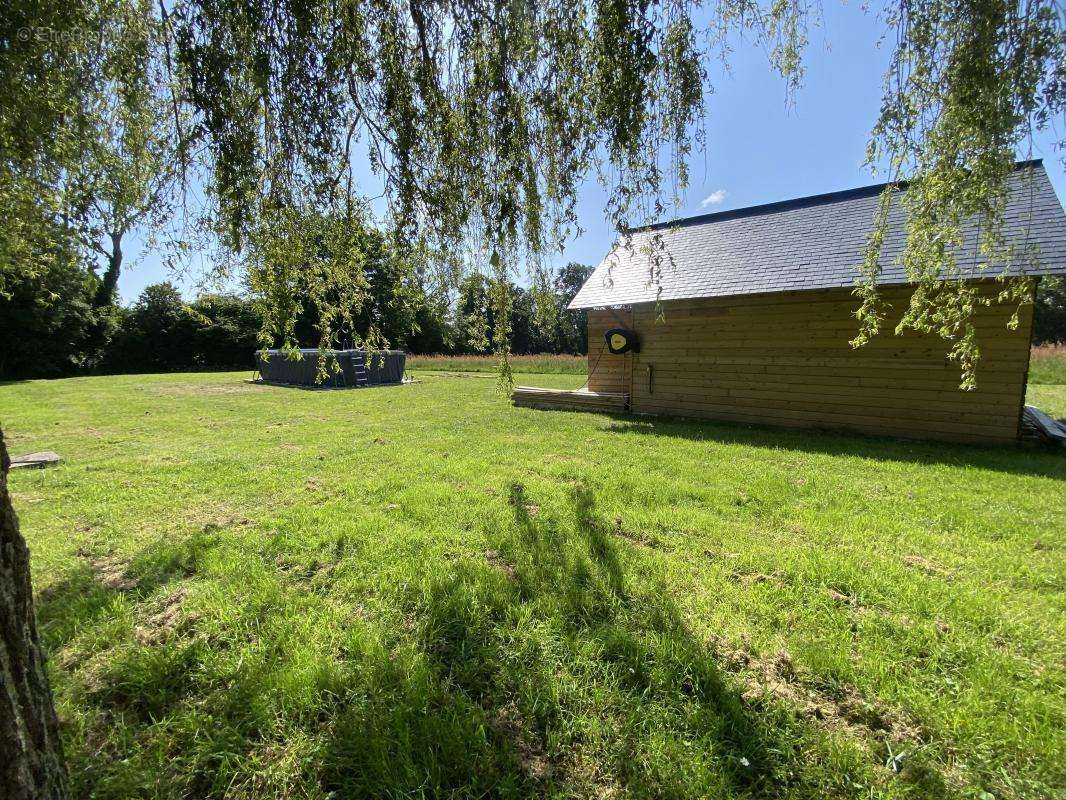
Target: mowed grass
251, 591
1049, 398
1047, 379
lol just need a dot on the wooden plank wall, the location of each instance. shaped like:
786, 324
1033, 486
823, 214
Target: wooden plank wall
784, 359
607, 372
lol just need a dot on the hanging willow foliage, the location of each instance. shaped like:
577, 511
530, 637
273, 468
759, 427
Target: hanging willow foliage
46, 63
483, 118
968, 83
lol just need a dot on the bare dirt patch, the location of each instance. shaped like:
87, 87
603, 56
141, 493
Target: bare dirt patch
109, 570
718, 555
301, 571
588, 776
841, 708
220, 519
166, 619
498, 562
202, 514
636, 537
845, 599
930, 568
509, 724
517, 499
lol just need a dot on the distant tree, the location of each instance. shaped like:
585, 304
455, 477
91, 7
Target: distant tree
573, 325
49, 326
326, 276
524, 328
226, 332
394, 291
287, 260
475, 318
133, 159
1049, 314
539, 321
158, 334
433, 332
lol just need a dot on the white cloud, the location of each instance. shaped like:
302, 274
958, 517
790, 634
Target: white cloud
714, 198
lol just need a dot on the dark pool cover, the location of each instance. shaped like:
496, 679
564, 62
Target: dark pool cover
357, 367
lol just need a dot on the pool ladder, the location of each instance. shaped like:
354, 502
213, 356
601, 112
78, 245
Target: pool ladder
359, 368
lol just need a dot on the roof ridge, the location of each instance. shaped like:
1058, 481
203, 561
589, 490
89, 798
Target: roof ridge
798, 202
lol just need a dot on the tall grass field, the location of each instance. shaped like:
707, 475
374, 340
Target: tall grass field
249, 591
1047, 364
542, 364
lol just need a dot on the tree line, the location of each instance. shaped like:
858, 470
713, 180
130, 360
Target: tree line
57, 326
67, 333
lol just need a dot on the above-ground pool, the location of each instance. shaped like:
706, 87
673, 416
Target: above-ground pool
357, 367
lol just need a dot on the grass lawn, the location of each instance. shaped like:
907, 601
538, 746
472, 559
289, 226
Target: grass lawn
253, 592
1047, 380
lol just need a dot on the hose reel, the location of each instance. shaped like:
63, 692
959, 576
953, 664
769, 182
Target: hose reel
621, 340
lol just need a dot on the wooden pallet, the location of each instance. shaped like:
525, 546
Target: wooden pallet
569, 399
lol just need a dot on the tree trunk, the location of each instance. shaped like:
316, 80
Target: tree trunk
31, 754
107, 292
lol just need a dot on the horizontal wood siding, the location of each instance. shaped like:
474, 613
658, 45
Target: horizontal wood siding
784, 359
607, 372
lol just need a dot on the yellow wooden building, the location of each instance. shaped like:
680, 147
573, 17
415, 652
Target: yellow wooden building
746, 316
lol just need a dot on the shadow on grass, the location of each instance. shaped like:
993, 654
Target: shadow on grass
544, 667
1021, 460
542, 671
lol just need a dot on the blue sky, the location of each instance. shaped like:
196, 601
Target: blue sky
759, 150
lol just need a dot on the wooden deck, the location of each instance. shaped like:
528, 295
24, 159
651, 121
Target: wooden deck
571, 399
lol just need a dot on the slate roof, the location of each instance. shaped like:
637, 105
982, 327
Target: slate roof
810, 243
